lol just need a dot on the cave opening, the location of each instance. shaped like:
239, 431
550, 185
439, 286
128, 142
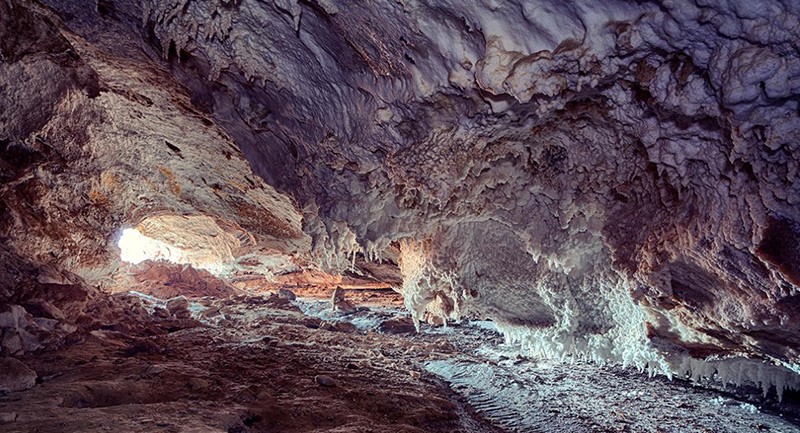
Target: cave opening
195, 256
475, 216
136, 248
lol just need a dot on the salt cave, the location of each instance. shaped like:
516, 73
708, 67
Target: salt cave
408, 216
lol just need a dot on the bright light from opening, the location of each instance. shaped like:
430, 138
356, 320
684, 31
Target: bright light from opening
136, 248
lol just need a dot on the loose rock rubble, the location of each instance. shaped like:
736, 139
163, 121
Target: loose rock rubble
26, 330
258, 365
262, 365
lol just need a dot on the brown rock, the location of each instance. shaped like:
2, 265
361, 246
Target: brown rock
10, 344
312, 322
397, 325
15, 375
211, 312
287, 294
8, 417
166, 280
42, 308
339, 303
70, 299
183, 314
178, 303
325, 381
146, 346
198, 384
345, 327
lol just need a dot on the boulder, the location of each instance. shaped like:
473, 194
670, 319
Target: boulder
177, 304
30, 341
339, 303
47, 325
345, 327
8, 417
15, 375
183, 314
42, 308
211, 312
287, 294
397, 325
325, 381
12, 316
10, 343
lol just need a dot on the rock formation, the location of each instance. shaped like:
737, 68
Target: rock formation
616, 180
340, 303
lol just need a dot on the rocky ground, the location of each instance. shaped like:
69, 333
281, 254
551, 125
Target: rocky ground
271, 364
251, 364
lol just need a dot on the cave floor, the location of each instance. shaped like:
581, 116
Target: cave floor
265, 364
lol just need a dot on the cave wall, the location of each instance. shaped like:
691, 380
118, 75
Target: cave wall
613, 179
95, 139
608, 178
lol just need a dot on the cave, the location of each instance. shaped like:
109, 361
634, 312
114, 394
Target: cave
252, 216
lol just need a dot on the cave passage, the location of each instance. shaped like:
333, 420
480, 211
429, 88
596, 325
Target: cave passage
136, 248
410, 216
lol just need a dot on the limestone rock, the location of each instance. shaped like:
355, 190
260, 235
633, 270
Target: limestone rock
177, 304
345, 327
183, 314
397, 325
11, 343
617, 180
287, 294
166, 280
212, 311
42, 308
15, 375
325, 381
12, 316
339, 303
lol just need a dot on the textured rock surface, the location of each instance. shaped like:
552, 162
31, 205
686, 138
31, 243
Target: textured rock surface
258, 375
613, 179
96, 138
165, 280
15, 376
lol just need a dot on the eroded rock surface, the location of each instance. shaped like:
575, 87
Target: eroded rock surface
98, 138
617, 180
